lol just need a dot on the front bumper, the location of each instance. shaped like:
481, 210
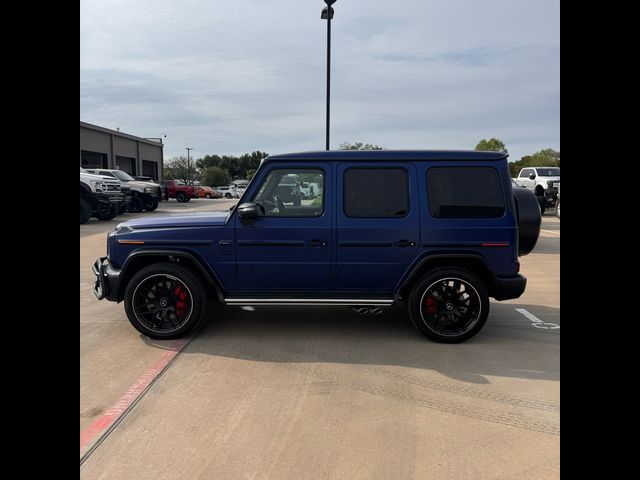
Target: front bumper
508, 288
107, 280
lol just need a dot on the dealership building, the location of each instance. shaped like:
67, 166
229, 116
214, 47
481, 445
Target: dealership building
104, 148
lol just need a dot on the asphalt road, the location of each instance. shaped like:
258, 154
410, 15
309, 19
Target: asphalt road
311, 393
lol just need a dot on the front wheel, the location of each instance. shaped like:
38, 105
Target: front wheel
136, 205
207, 195
542, 203
151, 206
110, 215
165, 301
85, 211
449, 305
181, 197
227, 195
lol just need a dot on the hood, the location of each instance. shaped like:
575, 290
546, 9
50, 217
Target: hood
195, 219
555, 178
140, 184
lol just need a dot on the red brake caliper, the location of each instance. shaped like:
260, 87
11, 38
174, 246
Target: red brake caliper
430, 305
181, 304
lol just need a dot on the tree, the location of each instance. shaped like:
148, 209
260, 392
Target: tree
492, 145
216, 176
359, 146
178, 168
237, 167
250, 173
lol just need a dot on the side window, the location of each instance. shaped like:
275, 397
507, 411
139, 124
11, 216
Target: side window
376, 192
464, 192
525, 172
280, 194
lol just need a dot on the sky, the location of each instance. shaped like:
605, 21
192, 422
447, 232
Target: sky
233, 76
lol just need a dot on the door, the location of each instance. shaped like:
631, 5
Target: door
378, 224
524, 179
288, 247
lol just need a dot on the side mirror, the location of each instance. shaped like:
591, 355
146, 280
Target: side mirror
532, 176
247, 212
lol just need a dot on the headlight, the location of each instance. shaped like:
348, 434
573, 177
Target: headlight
148, 190
123, 228
96, 184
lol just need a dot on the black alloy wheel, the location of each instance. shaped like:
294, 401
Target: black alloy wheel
449, 305
165, 301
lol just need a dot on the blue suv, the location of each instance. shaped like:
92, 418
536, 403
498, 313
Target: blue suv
437, 231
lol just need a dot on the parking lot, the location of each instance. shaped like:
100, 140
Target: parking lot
321, 393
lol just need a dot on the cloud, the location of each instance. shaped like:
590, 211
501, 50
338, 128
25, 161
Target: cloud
233, 76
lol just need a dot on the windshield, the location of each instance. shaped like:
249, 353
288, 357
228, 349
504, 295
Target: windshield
548, 172
122, 175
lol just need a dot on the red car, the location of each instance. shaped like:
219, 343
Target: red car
208, 192
182, 193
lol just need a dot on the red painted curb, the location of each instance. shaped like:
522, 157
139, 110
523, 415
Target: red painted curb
113, 413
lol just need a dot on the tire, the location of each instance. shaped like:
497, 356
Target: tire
188, 199
110, 215
136, 205
85, 211
529, 220
227, 195
181, 197
207, 195
164, 280
542, 204
558, 209
445, 304
297, 201
151, 206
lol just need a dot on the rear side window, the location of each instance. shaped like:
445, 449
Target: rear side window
376, 192
464, 192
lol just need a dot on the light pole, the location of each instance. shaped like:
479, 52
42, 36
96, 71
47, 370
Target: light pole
327, 14
188, 166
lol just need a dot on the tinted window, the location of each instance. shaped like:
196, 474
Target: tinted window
464, 192
526, 172
376, 192
280, 196
548, 172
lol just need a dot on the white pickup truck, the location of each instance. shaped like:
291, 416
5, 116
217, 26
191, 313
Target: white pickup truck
543, 182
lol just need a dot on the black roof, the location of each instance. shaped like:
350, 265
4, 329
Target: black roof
391, 155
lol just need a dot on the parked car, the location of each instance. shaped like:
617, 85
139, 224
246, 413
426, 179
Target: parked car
100, 197
179, 191
229, 191
543, 182
440, 241
309, 189
207, 192
144, 178
144, 195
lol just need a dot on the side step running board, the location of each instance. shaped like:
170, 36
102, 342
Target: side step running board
381, 302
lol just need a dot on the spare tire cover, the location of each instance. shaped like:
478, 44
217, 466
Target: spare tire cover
529, 219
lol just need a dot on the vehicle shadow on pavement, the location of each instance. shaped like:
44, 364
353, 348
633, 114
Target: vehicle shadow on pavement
508, 345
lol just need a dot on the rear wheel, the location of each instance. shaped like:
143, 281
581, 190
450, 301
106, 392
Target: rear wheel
207, 195
85, 211
227, 195
165, 301
181, 197
449, 305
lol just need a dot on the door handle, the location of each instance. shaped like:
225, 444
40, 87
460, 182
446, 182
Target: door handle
405, 243
316, 243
